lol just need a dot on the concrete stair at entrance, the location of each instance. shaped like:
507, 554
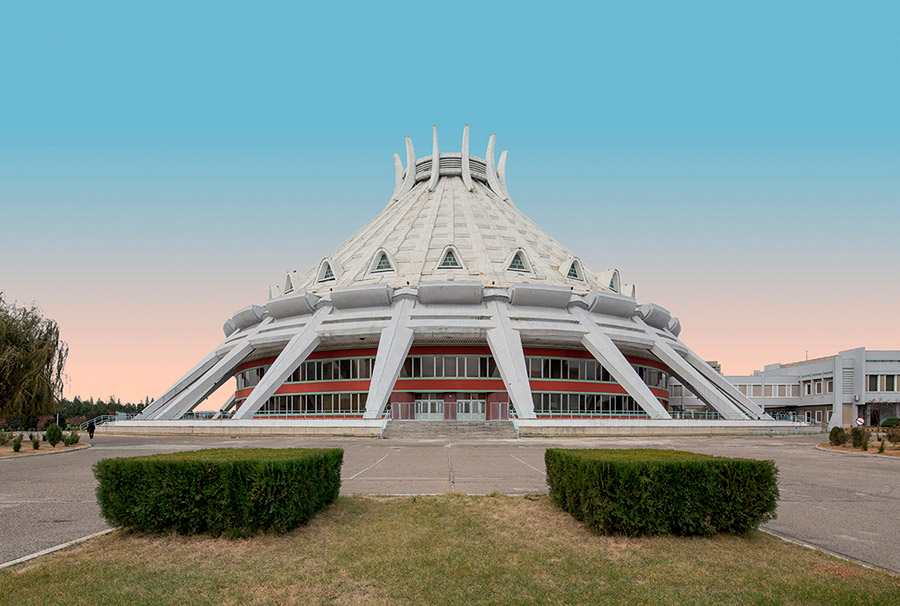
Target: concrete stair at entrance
456, 430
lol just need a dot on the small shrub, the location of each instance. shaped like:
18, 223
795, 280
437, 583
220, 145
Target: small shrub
35, 443
891, 422
72, 438
856, 437
651, 492
5, 438
54, 434
17, 443
893, 435
837, 436
236, 491
864, 441
881, 446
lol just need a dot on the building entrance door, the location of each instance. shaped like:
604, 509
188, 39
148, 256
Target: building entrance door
470, 410
429, 410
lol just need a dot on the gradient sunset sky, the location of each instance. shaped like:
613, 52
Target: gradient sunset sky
162, 163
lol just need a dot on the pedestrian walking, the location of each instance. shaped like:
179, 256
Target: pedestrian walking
91, 427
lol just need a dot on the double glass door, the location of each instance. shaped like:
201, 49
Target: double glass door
470, 410
429, 410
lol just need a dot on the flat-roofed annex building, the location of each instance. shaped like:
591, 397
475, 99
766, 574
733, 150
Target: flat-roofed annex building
452, 304
837, 390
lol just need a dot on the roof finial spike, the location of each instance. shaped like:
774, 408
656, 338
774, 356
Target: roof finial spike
466, 171
501, 172
409, 177
398, 176
435, 161
491, 168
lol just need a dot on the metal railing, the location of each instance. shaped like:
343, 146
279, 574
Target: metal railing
696, 415
514, 418
592, 415
104, 419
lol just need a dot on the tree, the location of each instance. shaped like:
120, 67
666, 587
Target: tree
32, 359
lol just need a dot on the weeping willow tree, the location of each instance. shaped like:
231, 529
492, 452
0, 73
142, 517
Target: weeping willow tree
32, 358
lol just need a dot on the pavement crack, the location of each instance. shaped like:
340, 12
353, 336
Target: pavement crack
450, 467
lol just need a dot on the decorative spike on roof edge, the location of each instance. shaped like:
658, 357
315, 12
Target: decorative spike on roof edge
491, 168
466, 171
409, 179
501, 172
398, 176
435, 161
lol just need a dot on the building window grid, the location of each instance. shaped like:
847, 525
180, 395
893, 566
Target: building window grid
884, 383
581, 369
315, 404
551, 403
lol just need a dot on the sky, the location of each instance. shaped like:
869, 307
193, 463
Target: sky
162, 163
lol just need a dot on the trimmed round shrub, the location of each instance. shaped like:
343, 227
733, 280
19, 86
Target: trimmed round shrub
54, 434
652, 492
837, 436
891, 422
234, 491
856, 436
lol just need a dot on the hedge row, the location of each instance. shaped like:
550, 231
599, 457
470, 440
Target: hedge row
233, 491
651, 492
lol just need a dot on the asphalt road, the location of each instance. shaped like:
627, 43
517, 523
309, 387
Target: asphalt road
844, 503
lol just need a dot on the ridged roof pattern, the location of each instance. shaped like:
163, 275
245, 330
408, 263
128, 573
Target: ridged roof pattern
470, 214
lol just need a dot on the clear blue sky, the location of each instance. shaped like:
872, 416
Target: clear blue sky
170, 159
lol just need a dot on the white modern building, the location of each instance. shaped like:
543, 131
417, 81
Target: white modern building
451, 304
836, 390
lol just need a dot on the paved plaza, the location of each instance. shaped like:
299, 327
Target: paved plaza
847, 504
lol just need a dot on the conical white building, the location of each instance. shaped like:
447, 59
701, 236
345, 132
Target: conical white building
452, 304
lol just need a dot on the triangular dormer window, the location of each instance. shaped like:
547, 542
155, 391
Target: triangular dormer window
450, 261
325, 272
575, 271
288, 285
383, 264
517, 263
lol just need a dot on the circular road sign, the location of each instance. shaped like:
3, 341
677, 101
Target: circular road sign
860, 421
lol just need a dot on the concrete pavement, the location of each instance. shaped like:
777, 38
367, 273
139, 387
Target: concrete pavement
843, 503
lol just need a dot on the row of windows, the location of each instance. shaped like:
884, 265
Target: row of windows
576, 369
450, 259
316, 403
882, 382
449, 366
572, 369
770, 391
818, 387
585, 403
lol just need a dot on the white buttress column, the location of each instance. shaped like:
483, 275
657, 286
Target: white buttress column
393, 347
506, 348
606, 352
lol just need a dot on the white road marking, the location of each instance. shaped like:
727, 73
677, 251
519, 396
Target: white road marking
369, 467
540, 471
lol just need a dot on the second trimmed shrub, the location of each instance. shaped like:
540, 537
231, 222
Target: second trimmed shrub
651, 492
234, 491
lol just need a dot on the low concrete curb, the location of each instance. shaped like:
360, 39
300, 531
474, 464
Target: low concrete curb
50, 550
856, 454
45, 452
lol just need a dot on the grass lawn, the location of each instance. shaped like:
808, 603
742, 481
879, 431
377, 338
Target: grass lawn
443, 550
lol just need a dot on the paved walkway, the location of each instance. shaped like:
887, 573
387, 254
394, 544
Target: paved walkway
844, 503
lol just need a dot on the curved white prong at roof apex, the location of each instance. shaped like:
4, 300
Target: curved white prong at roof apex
435, 161
491, 168
466, 171
501, 172
398, 176
409, 179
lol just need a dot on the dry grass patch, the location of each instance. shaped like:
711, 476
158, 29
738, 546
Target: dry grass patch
890, 450
443, 550
7, 450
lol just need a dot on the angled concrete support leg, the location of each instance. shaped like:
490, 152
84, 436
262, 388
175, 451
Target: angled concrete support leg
506, 347
204, 365
294, 353
393, 347
748, 406
696, 382
606, 352
211, 380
